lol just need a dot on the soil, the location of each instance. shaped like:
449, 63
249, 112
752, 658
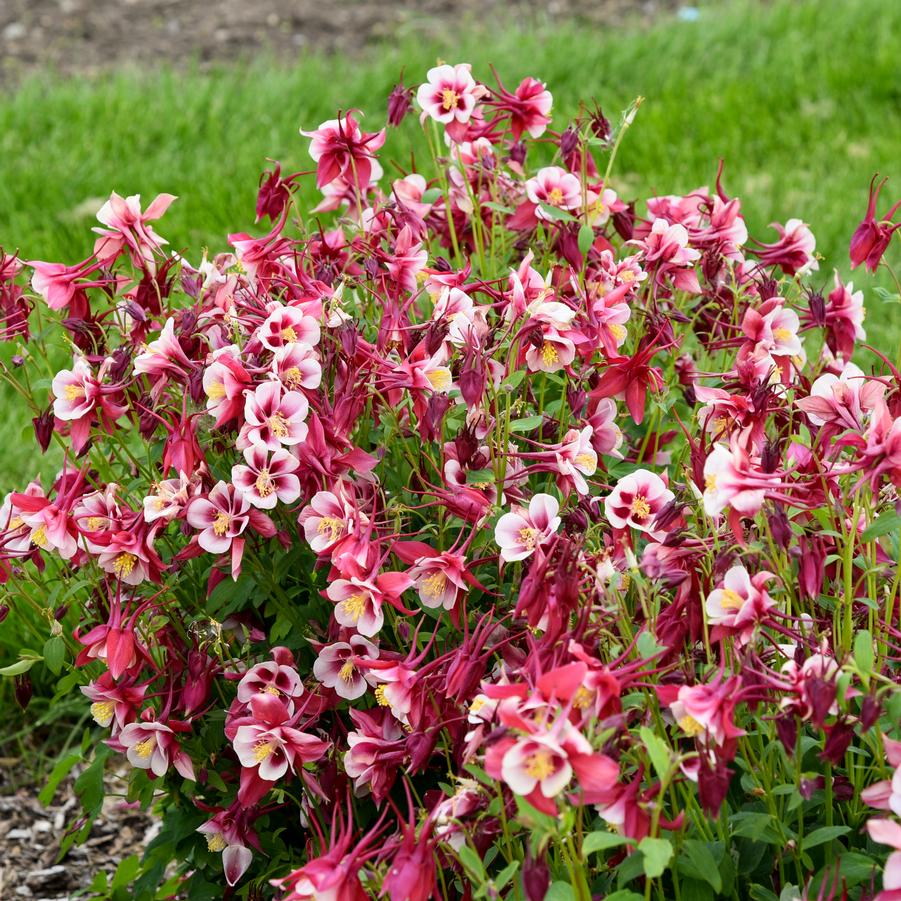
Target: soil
91, 36
30, 835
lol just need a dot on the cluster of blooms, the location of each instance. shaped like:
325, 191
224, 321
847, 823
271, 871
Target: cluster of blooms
419, 551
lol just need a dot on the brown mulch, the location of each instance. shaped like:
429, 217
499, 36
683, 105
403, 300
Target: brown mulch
90, 36
30, 836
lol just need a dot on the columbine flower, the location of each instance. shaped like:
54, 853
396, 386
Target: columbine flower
519, 532
449, 96
554, 187
273, 417
342, 150
277, 678
127, 228
731, 480
338, 666
221, 516
636, 500
151, 745
740, 603
286, 326
872, 237
439, 579
267, 478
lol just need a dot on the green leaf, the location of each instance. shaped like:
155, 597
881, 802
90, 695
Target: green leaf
624, 894
647, 645
600, 841
658, 751
19, 667
560, 891
555, 213
526, 424
586, 239
126, 871
704, 863
54, 654
888, 522
57, 774
657, 853
863, 652
822, 835
506, 874
472, 862
89, 785
430, 195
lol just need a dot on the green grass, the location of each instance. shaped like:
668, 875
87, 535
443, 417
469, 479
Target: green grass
802, 100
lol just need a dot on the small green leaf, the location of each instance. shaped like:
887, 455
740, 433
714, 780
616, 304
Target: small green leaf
600, 841
624, 894
54, 654
526, 424
472, 862
863, 652
647, 645
555, 214
822, 835
17, 668
506, 874
559, 891
657, 853
430, 195
888, 522
704, 863
586, 239
57, 774
658, 751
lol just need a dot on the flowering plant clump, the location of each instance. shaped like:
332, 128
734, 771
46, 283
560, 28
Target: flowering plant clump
504, 538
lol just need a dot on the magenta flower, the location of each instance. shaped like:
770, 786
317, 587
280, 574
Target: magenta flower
341, 666
636, 500
267, 477
151, 745
273, 417
872, 236
127, 229
288, 325
555, 187
221, 516
342, 150
739, 604
519, 532
449, 96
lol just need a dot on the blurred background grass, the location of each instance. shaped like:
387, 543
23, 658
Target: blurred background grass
800, 97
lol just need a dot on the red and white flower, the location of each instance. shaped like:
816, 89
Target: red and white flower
519, 532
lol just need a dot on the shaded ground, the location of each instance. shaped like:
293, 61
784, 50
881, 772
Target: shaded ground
30, 836
74, 36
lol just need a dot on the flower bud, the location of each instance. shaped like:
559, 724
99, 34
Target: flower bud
23, 689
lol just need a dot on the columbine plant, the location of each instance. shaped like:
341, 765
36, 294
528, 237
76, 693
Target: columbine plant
503, 537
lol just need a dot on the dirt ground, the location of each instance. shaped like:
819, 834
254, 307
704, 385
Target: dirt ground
89, 36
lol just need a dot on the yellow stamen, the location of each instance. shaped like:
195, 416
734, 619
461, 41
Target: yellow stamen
782, 334
215, 842
549, 354
264, 484
555, 197
289, 335
40, 536
540, 765
731, 600
216, 391
449, 99
583, 698
439, 379
221, 523
332, 525
346, 673
640, 508
102, 712
145, 748
527, 537
74, 392
355, 606
272, 690
124, 564
292, 377
433, 586
477, 704
710, 482
586, 461
618, 332
381, 697
279, 425
690, 726
262, 749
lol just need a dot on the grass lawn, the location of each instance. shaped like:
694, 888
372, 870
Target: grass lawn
800, 97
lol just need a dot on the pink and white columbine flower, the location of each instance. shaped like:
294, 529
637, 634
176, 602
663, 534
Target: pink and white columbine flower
554, 187
151, 745
449, 96
667, 252
519, 532
739, 604
841, 400
338, 666
76, 391
127, 228
329, 517
224, 383
731, 480
636, 500
167, 500
342, 150
888, 832
221, 516
886, 794
271, 677
439, 579
267, 476
286, 326
269, 747
228, 831
707, 709
296, 366
359, 601
273, 417
577, 458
